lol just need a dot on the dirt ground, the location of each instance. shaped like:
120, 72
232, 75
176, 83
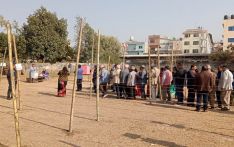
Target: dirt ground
44, 120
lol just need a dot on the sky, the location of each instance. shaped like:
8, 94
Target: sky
125, 18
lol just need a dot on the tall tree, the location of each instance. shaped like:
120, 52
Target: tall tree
46, 36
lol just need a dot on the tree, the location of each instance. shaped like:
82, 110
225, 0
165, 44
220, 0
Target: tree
46, 36
109, 46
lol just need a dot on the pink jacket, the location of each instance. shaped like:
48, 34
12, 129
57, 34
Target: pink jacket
167, 78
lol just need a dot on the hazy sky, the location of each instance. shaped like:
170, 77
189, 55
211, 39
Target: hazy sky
123, 18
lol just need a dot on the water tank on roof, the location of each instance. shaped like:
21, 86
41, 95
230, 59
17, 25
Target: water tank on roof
131, 38
232, 16
225, 17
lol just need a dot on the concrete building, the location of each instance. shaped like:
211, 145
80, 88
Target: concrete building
197, 41
228, 33
165, 44
135, 47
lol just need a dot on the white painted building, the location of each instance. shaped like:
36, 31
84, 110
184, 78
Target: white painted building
197, 41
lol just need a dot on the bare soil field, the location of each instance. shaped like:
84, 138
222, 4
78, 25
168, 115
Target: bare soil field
44, 121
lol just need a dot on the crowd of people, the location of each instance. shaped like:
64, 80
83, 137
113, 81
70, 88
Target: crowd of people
204, 87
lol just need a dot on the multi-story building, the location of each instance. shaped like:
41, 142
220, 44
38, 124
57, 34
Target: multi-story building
228, 34
135, 47
164, 44
197, 41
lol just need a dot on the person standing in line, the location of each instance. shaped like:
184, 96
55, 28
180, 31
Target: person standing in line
94, 79
179, 79
9, 91
79, 78
218, 89
116, 76
213, 88
226, 88
166, 82
204, 84
131, 83
142, 75
155, 72
123, 81
104, 79
62, 81
191, 85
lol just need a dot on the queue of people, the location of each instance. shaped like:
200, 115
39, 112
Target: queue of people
204, 87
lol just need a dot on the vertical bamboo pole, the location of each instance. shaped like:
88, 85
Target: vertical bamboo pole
108, 63
97, 96
16, 116
3, 60
149, 73
75, 76
92, 68
159, 80
18, 75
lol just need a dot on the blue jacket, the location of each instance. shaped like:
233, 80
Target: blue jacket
104, 76
80, 74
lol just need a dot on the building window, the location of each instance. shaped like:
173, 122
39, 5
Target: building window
186, 51
231, 28
231, 40
195, 50
187, 35
152, 41
186, 43
195, 42
196, 35
140, 47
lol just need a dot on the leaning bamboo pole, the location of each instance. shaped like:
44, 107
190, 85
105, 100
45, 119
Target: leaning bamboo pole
18, 75
149, 74
98, 65
159, 80
92, 67
16, 116
75, 76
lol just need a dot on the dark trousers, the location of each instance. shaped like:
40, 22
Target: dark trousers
143, 91
79, 84
122, 90
117, 89
218, 96
103, 88
180, 94
131, 92
191, 96
204, 95
9, 91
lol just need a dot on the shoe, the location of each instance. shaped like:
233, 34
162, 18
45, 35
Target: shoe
225, 109
219, 106
212, 108
198, 110
105, 95
205, 110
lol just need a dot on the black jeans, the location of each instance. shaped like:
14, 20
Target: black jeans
180, 94
9, 91
103, 88
191, 96
218, 96
143, 91
79, 84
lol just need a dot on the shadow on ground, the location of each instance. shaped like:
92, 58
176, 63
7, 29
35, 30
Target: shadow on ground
69, 144
152, 141
180, 126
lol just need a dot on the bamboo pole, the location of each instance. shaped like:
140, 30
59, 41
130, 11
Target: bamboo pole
97, 96
172, 59
3, 60
16, 116
92, 68
108, 63
18, 75
159, 80
149, 77
75, 76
